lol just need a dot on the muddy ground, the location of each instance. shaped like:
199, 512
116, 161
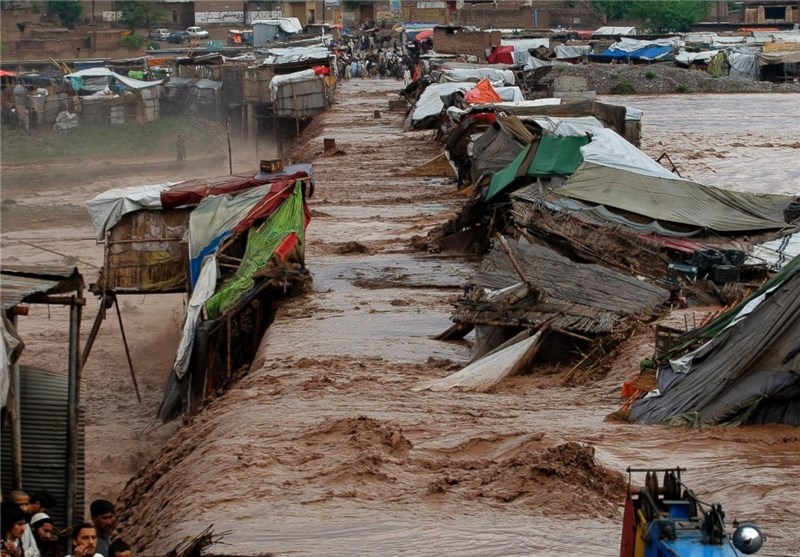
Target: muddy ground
325, 449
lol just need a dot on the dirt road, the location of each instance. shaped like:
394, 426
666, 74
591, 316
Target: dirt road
325, 449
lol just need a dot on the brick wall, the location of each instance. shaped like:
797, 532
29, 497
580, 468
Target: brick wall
449, 40
541, 16
412, 14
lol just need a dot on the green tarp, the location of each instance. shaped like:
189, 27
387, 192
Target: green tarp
554, 156
557, 156
262, 241
503, 178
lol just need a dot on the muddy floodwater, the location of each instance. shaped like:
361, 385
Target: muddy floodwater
326, 449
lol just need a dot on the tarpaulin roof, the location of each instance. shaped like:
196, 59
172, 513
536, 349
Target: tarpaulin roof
749, 372
676, 200
430, 102
647, 53
557, 155
287, 24
788, 57
105, 72
483, 93
283, 230
106, 209
463, 74
633, 49
502, 54
554, 156
501, 179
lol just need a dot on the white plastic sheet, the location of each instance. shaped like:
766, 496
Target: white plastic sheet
203, 290
107, 208
607, 148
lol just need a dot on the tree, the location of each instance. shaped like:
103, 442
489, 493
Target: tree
68, 11
142, 14
667, 16
612, 9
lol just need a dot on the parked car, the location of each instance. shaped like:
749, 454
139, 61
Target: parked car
160, 34
179, 37
197, 33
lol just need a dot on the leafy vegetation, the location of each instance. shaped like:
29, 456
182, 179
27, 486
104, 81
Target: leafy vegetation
134, 42
623, 87
650, 75
656, 16
684, 89
68, 11
142, 14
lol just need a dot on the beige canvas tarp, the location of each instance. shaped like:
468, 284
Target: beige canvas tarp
677, 201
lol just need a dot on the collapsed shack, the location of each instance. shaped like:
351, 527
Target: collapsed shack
587, 192
523, 288
741, 368
235, 244
42, 424
495, 147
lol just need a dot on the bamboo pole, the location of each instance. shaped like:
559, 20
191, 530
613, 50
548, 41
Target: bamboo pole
127, 351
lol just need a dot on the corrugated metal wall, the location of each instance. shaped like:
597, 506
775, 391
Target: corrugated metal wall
43, 410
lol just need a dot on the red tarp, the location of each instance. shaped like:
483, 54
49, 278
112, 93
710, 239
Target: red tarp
502, 54
321, 70
424, 34
278, 193
483, 93
193, 192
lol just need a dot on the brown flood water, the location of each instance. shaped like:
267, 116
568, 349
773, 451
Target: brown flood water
324, 449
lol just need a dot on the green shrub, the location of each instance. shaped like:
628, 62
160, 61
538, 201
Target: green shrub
650, 75
624, 87
133, 42
684, 89
152, 45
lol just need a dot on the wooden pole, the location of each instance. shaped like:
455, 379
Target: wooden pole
127, 352
514, 263
98, 320
74, 386
230, 157
13, 404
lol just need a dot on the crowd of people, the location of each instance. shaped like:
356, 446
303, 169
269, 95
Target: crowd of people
368, 57
29, 531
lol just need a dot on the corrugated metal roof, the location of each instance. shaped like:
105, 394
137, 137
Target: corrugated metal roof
25, 283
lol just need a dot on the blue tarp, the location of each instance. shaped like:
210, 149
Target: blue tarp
648, 53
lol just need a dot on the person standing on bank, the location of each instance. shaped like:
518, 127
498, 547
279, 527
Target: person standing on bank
180, 143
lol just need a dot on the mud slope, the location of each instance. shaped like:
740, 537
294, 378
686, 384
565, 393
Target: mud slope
324, 449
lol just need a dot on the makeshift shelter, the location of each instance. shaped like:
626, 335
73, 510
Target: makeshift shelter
779, 66
266, 31
747, 373
522, 285
236, 243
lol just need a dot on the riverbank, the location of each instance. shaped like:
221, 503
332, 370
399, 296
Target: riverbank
661, 79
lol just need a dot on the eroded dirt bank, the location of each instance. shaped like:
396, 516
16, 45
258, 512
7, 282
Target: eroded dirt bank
324, 449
